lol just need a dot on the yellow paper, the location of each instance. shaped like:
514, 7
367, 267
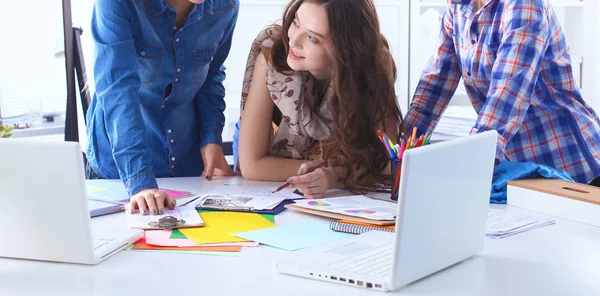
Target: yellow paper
95, 189
218, 227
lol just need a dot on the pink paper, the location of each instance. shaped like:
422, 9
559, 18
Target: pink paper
162, 238
175, 193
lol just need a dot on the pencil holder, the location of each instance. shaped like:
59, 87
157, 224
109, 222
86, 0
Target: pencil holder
396, 170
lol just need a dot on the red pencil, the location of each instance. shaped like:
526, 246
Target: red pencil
286, 184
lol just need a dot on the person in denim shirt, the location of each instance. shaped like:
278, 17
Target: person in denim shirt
159, 101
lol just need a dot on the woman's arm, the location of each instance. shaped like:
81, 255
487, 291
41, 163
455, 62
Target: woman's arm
255, 129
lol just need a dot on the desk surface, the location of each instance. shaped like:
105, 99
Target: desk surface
562, 259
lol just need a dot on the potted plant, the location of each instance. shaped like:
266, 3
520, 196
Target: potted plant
6, 131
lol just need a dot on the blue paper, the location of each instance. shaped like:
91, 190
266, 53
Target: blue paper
294, 237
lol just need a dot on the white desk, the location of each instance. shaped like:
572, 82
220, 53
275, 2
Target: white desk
562, 259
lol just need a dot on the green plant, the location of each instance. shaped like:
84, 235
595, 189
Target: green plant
6, 131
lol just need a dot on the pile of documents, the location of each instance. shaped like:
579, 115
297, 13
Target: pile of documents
501, 224
457, 121
245, 198
208, 224
214, 238
358, 206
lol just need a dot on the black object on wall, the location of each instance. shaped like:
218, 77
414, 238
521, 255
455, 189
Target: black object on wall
74, 64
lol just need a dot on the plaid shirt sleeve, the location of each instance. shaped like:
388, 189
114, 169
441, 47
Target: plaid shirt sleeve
515, 72
438, 82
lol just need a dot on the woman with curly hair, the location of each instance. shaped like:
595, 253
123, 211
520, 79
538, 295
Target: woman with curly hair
316, 90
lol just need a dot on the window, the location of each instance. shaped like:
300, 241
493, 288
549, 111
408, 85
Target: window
32, 79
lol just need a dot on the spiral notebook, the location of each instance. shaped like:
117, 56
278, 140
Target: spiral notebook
357, 227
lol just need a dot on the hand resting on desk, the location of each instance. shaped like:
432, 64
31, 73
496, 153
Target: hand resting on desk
151, 202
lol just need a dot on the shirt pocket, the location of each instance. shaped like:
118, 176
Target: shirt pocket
202, 60
149, 59
488, 59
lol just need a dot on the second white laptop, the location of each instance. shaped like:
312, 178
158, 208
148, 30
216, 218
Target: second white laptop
442, 209
44, 207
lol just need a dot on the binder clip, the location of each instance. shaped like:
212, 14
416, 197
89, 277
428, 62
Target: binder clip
167, 223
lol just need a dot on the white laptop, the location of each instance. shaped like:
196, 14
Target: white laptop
442, 212
44, 207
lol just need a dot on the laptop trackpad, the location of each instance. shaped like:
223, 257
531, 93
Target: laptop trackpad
350, 249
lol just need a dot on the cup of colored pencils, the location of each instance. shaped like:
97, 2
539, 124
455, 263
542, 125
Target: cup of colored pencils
396, 151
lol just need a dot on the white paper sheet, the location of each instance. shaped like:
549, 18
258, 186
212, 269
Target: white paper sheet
502, 223
357, 206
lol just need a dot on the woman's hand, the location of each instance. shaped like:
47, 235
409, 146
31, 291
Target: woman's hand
215, 163
151, 202
313, 184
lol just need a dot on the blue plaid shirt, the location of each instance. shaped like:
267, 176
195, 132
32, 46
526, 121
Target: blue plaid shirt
159, 88
514, 60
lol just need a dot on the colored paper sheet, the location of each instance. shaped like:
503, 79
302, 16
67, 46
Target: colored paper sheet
177, 234
293, 237
218, 227
114, 190
175, 193
142, 245
162, 238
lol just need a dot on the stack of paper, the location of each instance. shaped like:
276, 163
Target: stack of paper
247, 198
356, 206
215, 238
501, 224
114, 191
457, 121
160, 241
219, 227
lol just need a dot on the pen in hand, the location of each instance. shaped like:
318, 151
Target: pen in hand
286, 184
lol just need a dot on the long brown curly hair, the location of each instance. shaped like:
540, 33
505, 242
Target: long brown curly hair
362, 76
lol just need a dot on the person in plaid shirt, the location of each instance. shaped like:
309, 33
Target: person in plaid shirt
514, 60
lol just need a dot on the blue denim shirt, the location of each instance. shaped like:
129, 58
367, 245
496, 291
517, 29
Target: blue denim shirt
159, 88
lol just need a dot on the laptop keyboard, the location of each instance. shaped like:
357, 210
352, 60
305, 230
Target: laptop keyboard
100, 242
376, 262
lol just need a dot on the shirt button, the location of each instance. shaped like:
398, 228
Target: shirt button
163, 106
172, 166
174, 28
177, 40
169, 131
143, 53
171, 141
176, 79
167, 98
178, 69
172, 158
473, 41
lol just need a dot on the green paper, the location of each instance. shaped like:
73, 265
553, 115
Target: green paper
176, 234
